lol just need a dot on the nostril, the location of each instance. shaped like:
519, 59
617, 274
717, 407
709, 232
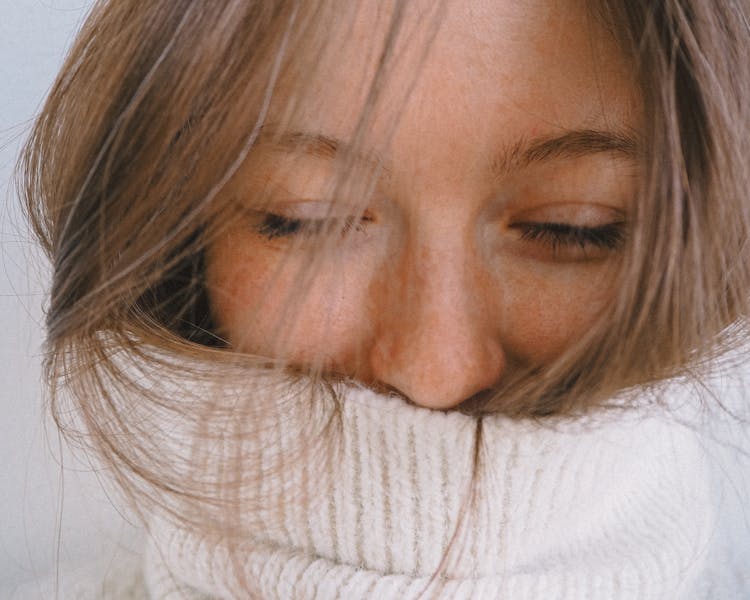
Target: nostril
387, 389
470, 405
435, 393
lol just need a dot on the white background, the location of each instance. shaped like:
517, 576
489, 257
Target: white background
37, 521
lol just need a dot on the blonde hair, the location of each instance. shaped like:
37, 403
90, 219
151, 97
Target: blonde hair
159, 103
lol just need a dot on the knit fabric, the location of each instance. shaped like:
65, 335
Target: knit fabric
620, 505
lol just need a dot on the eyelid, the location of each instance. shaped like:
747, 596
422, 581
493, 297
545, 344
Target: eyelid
574, 214
561, 242
299, 209
313, 210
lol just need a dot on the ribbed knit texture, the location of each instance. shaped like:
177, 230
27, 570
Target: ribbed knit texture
617, 506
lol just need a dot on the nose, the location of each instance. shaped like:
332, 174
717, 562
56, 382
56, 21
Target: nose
436, 341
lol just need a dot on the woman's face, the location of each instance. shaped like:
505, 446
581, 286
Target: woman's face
498, 176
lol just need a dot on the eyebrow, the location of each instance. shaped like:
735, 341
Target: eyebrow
522, 154
571, 144
322, 146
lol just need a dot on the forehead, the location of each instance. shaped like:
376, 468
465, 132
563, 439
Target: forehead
467, 76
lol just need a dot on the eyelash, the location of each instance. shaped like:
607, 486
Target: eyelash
275, 226
610, 236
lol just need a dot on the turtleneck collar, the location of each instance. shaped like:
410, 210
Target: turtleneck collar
382, 495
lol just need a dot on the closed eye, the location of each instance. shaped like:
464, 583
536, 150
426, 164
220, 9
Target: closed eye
610, 236
275, 226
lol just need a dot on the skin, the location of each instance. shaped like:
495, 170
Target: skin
435, 293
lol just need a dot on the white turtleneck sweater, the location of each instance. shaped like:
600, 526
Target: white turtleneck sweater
619, 505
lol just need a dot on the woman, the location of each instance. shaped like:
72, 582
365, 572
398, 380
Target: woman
397, 300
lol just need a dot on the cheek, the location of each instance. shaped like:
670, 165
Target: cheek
544, 311
266, 302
